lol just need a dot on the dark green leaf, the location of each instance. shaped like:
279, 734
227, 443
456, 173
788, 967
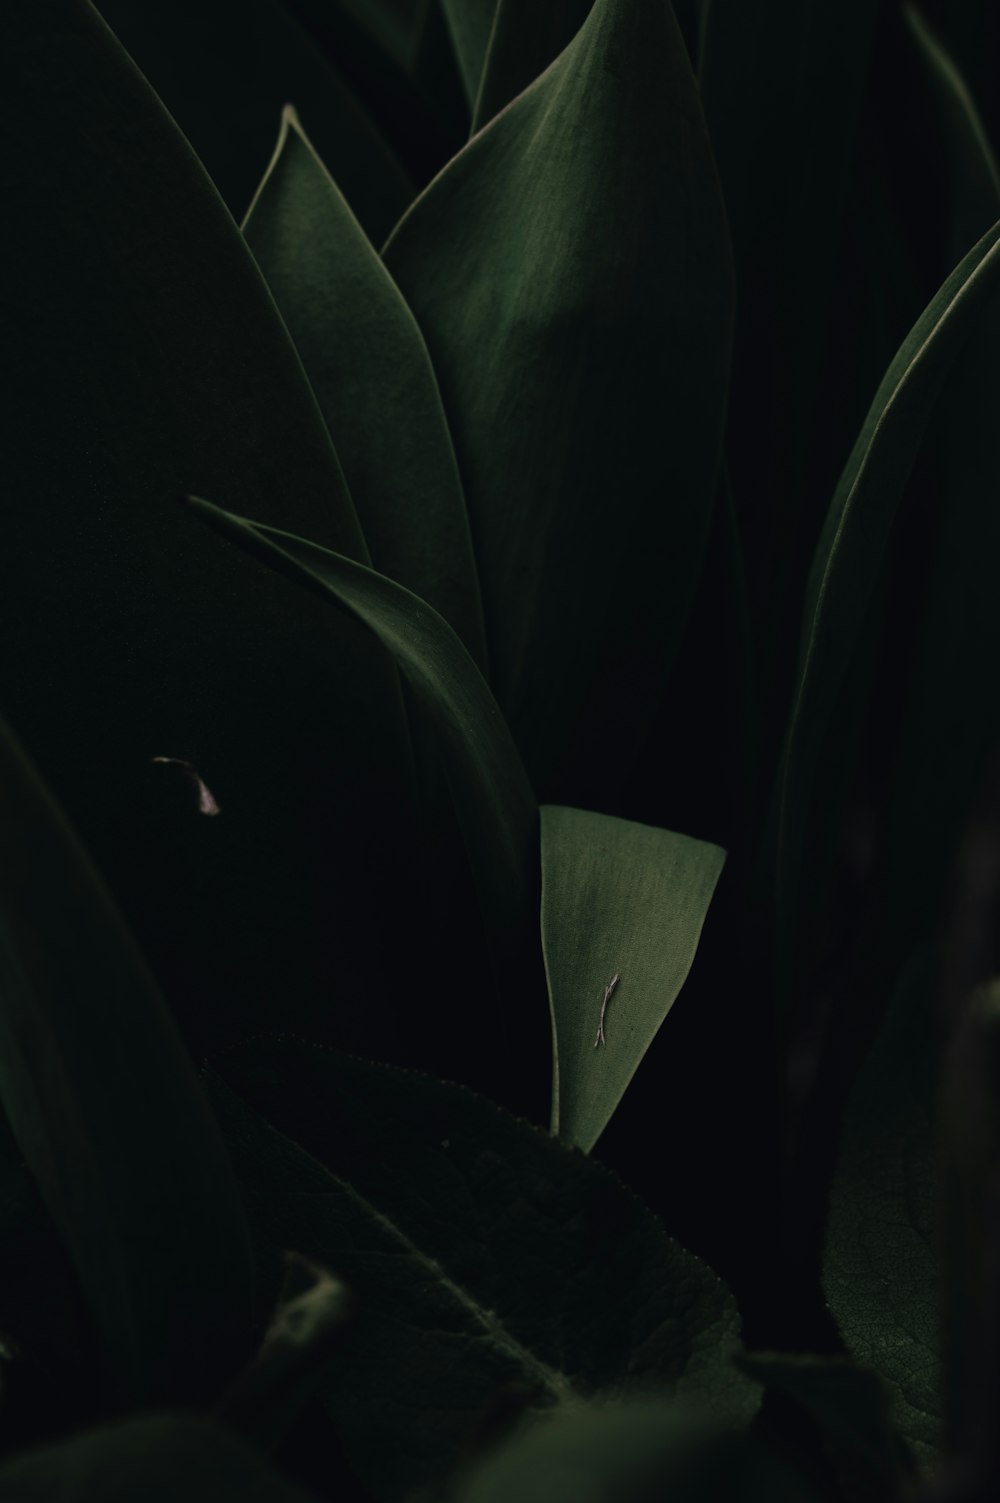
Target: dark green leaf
849, 554
851, 1406
157, 1458
632, 1453
309, 1320
525, 39
150, 361
481, 1253
110, 1116
470, 23
369, 368
224, 72
882, 1267
619, 900
493, 798
579, 318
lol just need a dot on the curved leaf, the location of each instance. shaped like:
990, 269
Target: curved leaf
470, 23
525, 39
111, 1119
624, 902
849, 554
224, 75
483, 1257
881, 1269
156, 1457
493, 798
372, 376
151, 361
579, 316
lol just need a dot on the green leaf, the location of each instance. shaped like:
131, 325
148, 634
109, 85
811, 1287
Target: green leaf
619, 900
156, 1457
225, 74
579, 318
493, 799
849, 554
525, 39
470, 23
371, 373
480, 1252
111, 1118
851, 1406
308, 1322
881, 1268
634, 1453
151, 361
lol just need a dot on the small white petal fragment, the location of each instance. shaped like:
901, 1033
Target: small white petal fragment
206, 799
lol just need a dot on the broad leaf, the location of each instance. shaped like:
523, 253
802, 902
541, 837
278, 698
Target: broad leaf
156, 1457
633, 1453
493, 798
369, 368
525, 39
849, 554
622, 910
579, 320
481, 1254
881, 1267
470, 23
111, 1118
225, 74
151, 361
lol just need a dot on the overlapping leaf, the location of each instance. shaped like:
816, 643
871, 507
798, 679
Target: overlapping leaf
111, 1119
882, 1267
849, 554
369, 368
579, 316
470, 23
525, 39
622, 911
150, 360
482, 1256
224, 75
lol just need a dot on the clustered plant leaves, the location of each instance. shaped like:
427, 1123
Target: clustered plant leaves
500, 628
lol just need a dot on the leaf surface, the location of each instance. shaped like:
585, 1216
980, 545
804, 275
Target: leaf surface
470, 23
369, 367
224, 74
151, 361
156, 1457
493, 797
525, 39
881, 1272
111, 1118
848, 557
619, 899
482, 1255
579, 318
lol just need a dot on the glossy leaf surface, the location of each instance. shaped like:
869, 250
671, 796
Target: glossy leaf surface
619, 900
369, 367
482, 1255
493, 798
111, 1119
579, 319
882, 1273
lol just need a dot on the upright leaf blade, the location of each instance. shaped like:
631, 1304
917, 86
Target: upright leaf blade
493, 797
482, 1254
525, 39
619, 900
372, 376
849, 554
111, 1119
579, 316
470, 23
